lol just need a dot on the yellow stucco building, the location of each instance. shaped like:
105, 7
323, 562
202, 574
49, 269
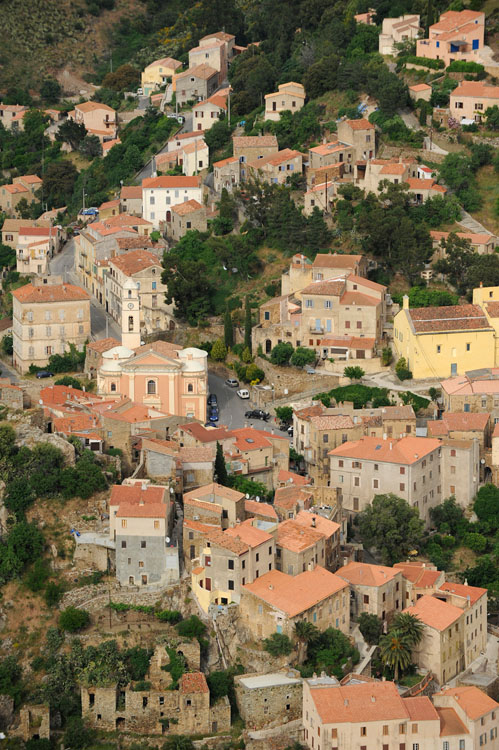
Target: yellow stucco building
438, 342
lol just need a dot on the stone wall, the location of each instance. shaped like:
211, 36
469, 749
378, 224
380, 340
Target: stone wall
275, 702
35, 722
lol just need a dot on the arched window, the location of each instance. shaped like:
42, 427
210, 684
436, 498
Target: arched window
190, 388
151, 387
130, 322
113, 387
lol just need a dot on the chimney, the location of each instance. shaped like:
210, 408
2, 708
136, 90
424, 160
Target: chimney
481, 284
314, 522
345, 702
373, 699
391, 445
143, 486
405, 302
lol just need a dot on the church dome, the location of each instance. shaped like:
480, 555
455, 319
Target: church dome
118, 352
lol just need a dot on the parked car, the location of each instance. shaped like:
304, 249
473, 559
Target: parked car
257, 414
309, 370
243, 393
284, 426
209, 424
140, 92
212, 399
44, 374
213, 414
232, 383
290, 431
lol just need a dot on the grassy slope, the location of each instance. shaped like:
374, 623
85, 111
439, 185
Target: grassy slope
488, 184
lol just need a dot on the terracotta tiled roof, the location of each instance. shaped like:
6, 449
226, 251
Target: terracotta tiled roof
32, 179
182, 209
463, 421
217, 490
474, 89
131, 191
450, 723
213, 507
330, 260
93, 106
349, 342
420, 708
313, 521
418, 574
310, 411
334, 287
202, 71
365, 574
406, 450
359, 299
168, 181
360, 124
418, 184
131, 494
227, 541
287, 497
435, 613
161, 347
420, 87
333, 422
50, 293
224, 162
168, 62
103, 345
249, 534
255, 141
328, 148
204, 434
193, 682
297, 537
136, 243
194, 454
296, 594
135, 261
450, 318
109, 204
366, 702
203, 528
37, 231
249, 439
136, 510
460, 589
473, 701
223, 35
252, 508
275, 159
73, 423
393, 169
291, 478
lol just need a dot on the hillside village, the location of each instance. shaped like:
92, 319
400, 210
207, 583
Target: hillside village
249, 387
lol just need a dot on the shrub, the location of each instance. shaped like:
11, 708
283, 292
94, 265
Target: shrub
476, 542
69, 381
460, 66
402, 371
53, 594
429, 63
281, 353
302, 356
77, 735
218, 351
386, 356
354, 372
284, 413
72, 619
278, 644
193, 627
169, 615
371, 628
486, 504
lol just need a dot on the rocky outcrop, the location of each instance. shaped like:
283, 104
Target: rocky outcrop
29, 435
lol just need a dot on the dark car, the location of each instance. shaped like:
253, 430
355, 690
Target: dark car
44, 374
284, 426
209, 424
257, 414
212, 399
213, 415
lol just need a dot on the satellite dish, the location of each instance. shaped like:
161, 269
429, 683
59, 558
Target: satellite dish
257, 499
247, 496
168, 540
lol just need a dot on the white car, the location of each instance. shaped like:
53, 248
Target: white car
243, 393
140, 92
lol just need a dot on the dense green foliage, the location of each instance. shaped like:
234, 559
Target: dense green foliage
278, 644
72, 619
360, 395
392, 526
371, 628
465, 269
331, 652
421, 296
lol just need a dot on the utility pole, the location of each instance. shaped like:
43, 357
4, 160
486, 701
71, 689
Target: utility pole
228, 107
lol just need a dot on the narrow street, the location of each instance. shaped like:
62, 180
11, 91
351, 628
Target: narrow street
63, 264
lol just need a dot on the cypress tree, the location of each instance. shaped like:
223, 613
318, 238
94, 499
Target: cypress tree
228, 329
247, 324
220, 468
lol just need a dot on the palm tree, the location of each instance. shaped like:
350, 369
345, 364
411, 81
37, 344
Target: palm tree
395, 651
409, 625
304, 633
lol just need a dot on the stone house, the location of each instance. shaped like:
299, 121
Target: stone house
328, 432
289, 501
161, 194
265, 699
158, 73
11, 228
230, 501
187, 217
298, 548
12, 116
472, 713
35, 722
302, 271
419, 579
226, 174
24, 187
481, 243
396, 30
48, 316
194, 536
260, 511
250, 148
409, 466
164, 461
196, 84
371, 713
259, 454
329, 529
474, 602
442, 649
11, 396
420, 91
288, 97
157, 710
277, 169
375, 589
231, 559
210, 111
326, 155
93, 354
472, 393
275, 602
361, 135
213, 54
131, 200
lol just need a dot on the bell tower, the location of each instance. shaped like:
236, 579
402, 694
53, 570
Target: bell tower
130, 315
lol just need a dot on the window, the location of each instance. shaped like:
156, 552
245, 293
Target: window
48, 330
113, 387
328, 304
123, 545
366, 598
340, 464
415, 730
363, 731
151, 387
415, 745
462, 744
143, 544
266, 315
231, 585
123, 523
257, 557
230, 564
309, 303
402, 486
445, 746
439, 348
190, 388
376, 484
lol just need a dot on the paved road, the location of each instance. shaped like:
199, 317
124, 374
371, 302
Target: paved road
147, 170
63, 264
468, 222
232, 408
143, 102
